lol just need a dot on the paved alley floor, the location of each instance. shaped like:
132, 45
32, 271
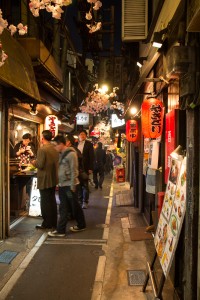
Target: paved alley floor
90, 265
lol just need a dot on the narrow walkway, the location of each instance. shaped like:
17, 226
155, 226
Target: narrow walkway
90, 265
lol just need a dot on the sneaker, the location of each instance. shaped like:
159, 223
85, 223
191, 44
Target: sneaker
76, 228
56, 233
85, 205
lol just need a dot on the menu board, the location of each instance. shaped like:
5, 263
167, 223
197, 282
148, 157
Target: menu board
34, 206
172, 215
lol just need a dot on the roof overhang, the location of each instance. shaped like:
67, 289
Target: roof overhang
17, 70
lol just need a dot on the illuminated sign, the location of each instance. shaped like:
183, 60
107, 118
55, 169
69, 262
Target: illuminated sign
51, 123
82, 119
116, 122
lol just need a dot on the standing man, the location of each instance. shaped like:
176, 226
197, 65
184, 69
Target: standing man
47, 179
68, 181
99, 162
87, 151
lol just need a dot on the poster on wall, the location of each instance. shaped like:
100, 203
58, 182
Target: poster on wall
172, 215
34, 205
153, 155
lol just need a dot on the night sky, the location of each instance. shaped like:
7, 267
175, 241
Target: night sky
72, 13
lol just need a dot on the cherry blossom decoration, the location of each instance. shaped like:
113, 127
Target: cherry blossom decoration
4, 24
93, 26
54, 7
98, 101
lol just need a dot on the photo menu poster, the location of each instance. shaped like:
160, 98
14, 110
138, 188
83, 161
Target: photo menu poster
172, 215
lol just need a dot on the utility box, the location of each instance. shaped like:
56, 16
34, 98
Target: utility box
120, 174
180, 60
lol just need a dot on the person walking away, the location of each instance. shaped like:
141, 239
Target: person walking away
99, 162
47, 179
68, 181
87, 150
70, 142
109, 162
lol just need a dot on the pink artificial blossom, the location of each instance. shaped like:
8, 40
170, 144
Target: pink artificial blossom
91, 1
94, 27
22, 29
97, 5
3, 57
54, 7
88, 16
12, 29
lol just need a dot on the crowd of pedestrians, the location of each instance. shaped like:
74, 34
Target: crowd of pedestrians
68, 165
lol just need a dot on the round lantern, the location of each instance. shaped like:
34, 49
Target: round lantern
152, 118
132, 130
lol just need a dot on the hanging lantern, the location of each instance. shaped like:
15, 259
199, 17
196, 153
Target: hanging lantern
152, 118
132, 130
51, 123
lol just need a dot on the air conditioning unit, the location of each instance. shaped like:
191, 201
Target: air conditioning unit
134, 20
179, 61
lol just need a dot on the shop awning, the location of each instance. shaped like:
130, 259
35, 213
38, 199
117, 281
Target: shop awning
17, 71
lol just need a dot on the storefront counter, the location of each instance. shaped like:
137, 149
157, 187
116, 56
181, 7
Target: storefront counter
20, 186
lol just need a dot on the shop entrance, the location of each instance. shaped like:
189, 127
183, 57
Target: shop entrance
23, 143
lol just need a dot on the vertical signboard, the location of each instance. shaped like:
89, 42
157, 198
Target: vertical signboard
169, 140
172, 215
34, 206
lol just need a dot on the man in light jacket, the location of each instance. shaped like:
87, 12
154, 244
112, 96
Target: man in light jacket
47, 179
68, 181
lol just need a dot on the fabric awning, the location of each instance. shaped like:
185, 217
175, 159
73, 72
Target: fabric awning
17, 70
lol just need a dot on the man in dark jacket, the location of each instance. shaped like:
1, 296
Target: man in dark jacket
47, 179
87, 150
99, 162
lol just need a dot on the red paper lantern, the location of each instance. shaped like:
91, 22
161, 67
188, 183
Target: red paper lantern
132, 130
152, 118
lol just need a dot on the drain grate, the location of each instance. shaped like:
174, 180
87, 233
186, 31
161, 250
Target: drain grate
7, 256
136, 277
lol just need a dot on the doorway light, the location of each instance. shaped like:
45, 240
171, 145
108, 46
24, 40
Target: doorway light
33, 111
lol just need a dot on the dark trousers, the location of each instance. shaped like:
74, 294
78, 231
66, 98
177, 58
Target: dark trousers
48, 207
69, 204
98, 176
83, 191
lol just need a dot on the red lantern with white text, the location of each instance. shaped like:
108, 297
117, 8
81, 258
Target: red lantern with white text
152, 118
132, 130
